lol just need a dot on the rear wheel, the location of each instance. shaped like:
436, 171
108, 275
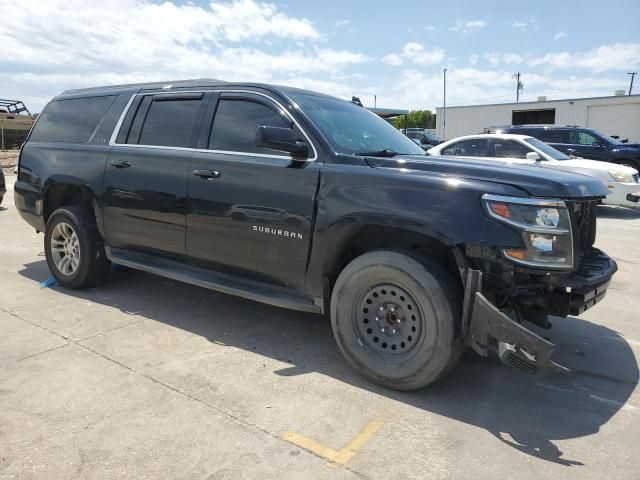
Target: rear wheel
74, 249
394, 316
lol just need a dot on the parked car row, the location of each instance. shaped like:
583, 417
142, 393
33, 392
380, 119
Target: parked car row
569, 148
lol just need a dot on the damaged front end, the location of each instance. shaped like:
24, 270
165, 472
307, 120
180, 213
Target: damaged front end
488, 328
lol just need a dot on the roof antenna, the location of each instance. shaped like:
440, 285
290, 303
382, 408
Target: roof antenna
356, 100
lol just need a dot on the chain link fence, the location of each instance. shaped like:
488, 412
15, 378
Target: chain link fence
11, 139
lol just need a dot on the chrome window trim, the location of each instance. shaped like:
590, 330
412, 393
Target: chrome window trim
116, 130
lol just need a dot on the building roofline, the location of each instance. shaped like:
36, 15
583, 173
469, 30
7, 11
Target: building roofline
542, 102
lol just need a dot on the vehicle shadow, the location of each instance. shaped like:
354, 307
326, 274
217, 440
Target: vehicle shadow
525, 413
617, 213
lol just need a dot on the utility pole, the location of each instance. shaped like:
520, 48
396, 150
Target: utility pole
633, 75
375, 101
519, 86
444, 105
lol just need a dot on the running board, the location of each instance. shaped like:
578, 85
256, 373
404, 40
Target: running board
220, 282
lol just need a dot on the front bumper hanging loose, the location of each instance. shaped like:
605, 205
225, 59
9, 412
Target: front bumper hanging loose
486, 328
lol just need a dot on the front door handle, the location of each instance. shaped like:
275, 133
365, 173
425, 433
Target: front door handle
120, 163
208, 174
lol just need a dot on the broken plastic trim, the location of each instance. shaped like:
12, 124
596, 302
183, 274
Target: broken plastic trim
486, 327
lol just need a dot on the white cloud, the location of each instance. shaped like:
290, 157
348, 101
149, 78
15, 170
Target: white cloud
468, 26
430, 28
516, 24
393, 59
415, 53
473, 59
560, 35
343, 23
617, 56
84, 43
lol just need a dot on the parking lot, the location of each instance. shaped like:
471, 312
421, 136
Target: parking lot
149, 378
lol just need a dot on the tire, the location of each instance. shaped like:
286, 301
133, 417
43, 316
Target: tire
1, 198
91, 265
395, 317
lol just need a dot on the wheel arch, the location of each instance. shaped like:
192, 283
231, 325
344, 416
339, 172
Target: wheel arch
61, 193
351, 240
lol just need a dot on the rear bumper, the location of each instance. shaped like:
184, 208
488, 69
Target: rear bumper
28, 201
487, 328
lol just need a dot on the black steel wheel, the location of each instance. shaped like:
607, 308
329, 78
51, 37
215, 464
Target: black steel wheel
395, 317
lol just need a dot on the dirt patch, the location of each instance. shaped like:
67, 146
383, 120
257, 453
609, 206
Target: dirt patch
9, 158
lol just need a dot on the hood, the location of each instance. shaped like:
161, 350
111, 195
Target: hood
538, 182
586, 164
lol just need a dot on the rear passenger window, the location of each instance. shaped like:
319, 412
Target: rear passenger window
468, 148
73, 120
170, 122
236, 124
551, 136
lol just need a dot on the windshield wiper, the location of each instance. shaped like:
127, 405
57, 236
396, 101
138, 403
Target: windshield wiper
387, 152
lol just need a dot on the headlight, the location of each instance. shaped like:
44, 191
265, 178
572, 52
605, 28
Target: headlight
545, 227
620, 176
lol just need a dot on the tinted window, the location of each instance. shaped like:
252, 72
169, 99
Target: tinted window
72, 120
236, 124
468, 148
170, 123
509, 149
580, 137
551, 136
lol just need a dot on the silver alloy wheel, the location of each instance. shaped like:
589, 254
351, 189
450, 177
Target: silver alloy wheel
65, 248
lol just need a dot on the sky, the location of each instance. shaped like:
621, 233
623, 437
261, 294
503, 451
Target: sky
393, 50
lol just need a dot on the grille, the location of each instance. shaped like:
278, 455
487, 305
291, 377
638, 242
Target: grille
583, 224
636, 177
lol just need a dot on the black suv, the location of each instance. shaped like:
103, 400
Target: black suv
582, 142
305, 201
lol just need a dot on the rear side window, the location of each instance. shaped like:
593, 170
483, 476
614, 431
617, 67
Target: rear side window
170, 123
551, 136
72, 120
468, 148
236, 124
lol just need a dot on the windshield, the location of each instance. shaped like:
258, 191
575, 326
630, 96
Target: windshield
547, 149
352, 129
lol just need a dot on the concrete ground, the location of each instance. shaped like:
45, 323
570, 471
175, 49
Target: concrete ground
149, 378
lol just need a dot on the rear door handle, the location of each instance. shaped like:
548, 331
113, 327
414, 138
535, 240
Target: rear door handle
208, 174
120, 163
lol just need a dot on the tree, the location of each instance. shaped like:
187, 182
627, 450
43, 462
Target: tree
416, 119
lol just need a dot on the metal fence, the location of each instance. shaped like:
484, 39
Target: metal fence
11, 139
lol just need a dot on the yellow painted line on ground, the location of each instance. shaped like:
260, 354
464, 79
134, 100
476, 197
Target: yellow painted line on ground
343, 456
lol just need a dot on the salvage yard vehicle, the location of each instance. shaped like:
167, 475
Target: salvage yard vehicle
623, 182
414, 257
581, 142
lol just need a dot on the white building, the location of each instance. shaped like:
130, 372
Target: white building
616, 115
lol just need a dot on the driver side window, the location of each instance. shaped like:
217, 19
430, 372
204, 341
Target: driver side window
580, 137
236, 123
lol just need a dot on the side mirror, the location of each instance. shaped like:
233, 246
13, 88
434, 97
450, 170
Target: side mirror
280, 138
424, 140
533, 156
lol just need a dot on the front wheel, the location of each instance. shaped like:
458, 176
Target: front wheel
395, 316
74, 249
